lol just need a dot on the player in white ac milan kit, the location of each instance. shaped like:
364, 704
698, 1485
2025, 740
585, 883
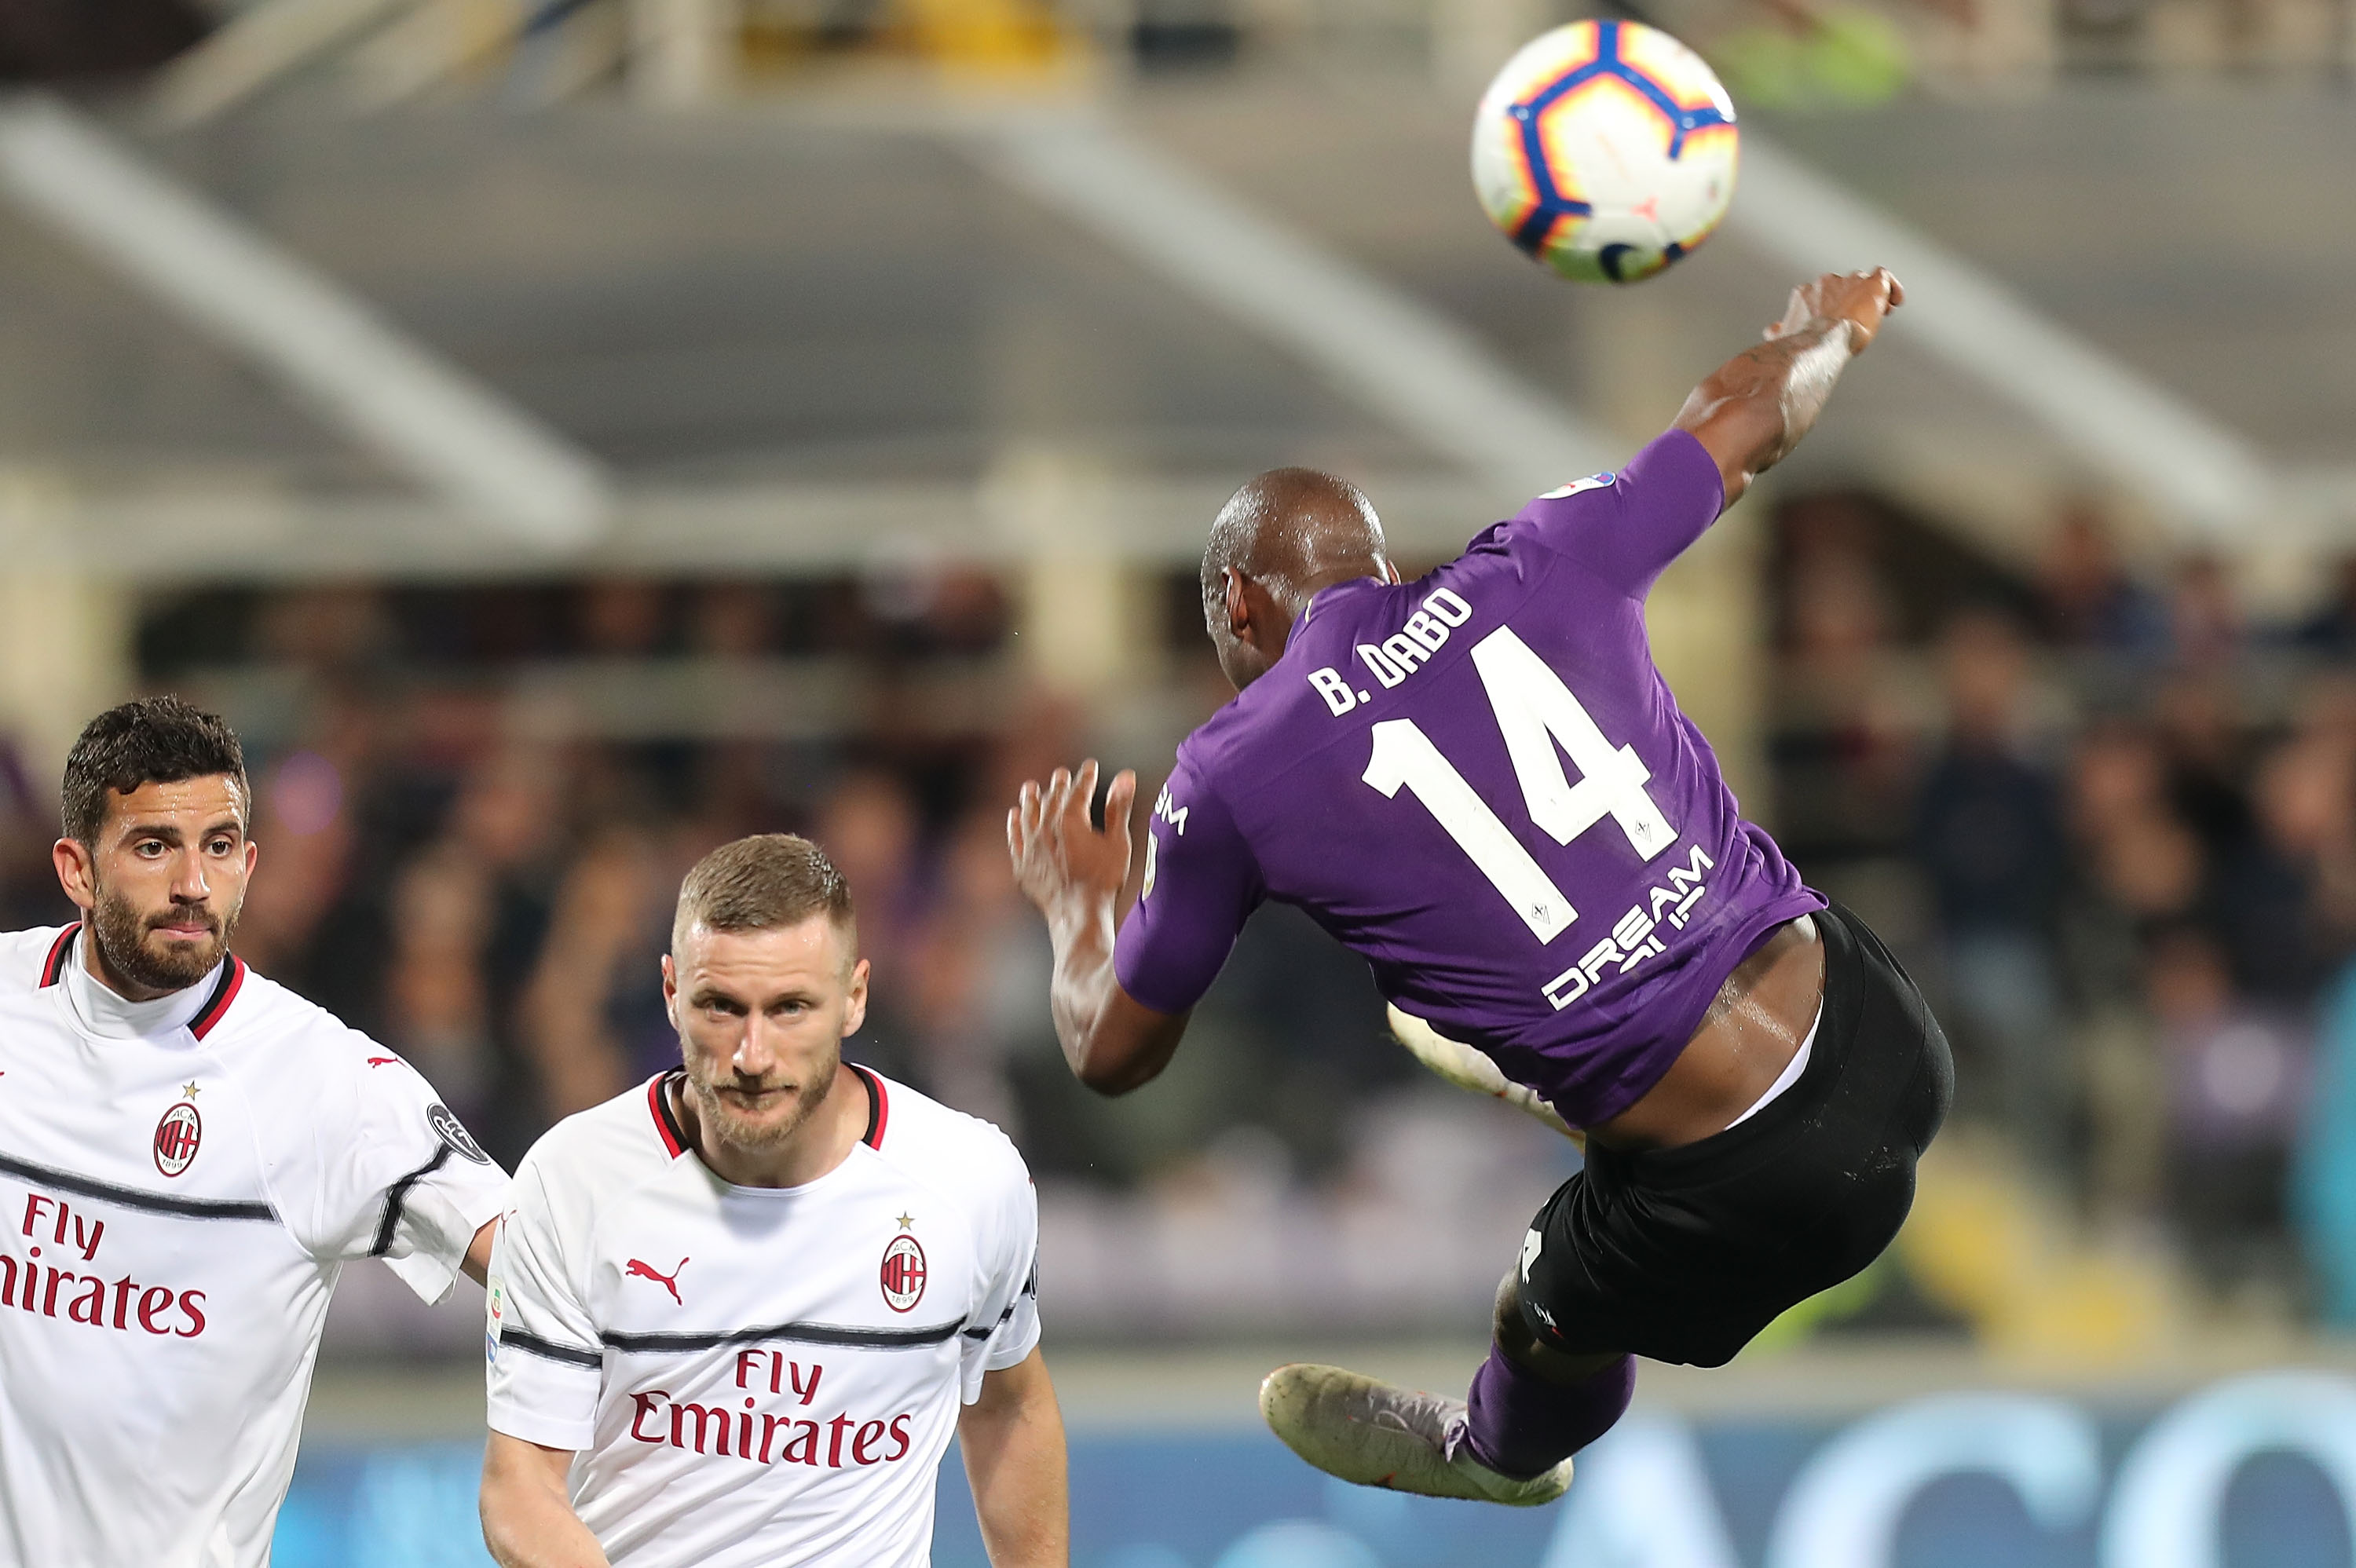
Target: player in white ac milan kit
188, 1154
736, 1314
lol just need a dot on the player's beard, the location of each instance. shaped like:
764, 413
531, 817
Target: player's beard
121, 931
733, 1127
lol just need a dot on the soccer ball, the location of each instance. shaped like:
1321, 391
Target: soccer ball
1605, 149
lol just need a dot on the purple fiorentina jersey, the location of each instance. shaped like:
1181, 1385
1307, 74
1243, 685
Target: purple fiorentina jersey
1480, 783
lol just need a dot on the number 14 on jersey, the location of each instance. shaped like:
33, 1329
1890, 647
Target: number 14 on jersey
1534, 710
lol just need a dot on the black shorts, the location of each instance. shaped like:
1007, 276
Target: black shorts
1683, 1254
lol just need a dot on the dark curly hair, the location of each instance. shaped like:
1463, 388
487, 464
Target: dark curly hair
155, 739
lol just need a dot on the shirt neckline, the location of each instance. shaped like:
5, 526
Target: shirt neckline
105, 1013
673, 1132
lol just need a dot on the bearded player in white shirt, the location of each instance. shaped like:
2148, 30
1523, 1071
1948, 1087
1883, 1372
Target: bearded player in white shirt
188, 1154
736, 1313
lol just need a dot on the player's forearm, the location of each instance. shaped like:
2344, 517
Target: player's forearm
528, 1519
1754, 408
1080, 994
1012, 1440
1085, 997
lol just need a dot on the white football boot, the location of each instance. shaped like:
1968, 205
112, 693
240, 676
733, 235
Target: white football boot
1468, 1069
1377, 1435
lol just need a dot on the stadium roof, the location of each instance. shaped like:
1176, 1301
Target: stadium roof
813, 331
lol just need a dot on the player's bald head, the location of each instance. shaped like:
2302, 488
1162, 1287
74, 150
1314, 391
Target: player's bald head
1293, 531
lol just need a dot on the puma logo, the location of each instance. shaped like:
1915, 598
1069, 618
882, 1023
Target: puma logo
637, 1270
382, 1060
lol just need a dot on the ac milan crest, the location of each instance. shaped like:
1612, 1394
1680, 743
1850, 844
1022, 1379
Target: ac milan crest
903, 1273
176, 1138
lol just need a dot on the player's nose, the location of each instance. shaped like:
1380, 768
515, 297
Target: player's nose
189, 884
757, 1052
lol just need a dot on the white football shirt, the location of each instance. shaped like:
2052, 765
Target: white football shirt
759, 1375
180, 1182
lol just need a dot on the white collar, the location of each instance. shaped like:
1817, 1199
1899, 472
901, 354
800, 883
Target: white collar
106, 1013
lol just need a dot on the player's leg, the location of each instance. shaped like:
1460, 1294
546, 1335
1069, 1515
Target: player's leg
1531, 1406
1679, 1254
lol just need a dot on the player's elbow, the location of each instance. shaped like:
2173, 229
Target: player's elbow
1128, 1052
1741, 429
1111, 1075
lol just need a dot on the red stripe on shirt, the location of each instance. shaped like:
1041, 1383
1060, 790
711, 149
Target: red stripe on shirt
879, 1111
226, 993
672, 1137
54, 965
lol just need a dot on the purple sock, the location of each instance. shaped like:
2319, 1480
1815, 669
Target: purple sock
1521, 1425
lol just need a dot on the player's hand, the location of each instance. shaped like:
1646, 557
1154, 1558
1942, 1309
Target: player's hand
1861, 299
1058, 854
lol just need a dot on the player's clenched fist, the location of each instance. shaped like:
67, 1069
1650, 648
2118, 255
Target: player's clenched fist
1861, 299
1060, 856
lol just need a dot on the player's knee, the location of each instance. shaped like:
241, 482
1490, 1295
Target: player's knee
1521, 1345
1512, 1329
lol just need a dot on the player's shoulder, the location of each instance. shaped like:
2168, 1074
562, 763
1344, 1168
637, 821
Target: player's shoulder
612, 1146
292, 1055
29, 959
940, 1146
251, 1016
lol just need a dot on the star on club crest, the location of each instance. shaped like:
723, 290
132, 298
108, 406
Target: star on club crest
187, 1091
907, 1222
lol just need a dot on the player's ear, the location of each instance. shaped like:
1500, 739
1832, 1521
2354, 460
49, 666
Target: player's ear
1238, 606
76, 872
1391, 572
670, 988
854, 1013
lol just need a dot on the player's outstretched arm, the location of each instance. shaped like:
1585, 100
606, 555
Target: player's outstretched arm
1012, 1440
528, 1518
1753, 410
1074, 871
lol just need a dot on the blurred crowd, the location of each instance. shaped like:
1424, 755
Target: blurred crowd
2112, 821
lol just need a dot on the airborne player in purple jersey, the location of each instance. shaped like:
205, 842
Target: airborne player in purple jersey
1480, 783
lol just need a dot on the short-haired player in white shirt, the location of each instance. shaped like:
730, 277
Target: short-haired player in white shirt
188, 1154
735, 1314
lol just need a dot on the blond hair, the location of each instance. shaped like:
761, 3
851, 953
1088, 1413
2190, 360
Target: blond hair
764, 882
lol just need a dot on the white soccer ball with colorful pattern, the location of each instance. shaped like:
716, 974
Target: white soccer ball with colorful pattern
1605, 149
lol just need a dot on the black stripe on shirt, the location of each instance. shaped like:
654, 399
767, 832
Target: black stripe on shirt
987, 1330
400, 1195
133, 1197
794, 1333
549, 1349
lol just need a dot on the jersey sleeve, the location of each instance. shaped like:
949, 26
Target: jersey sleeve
1004, 1329
395, 1175
1626, 528
545, 1366
1202, 882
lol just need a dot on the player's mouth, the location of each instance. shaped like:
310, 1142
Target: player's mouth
185, 928
753, 1102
